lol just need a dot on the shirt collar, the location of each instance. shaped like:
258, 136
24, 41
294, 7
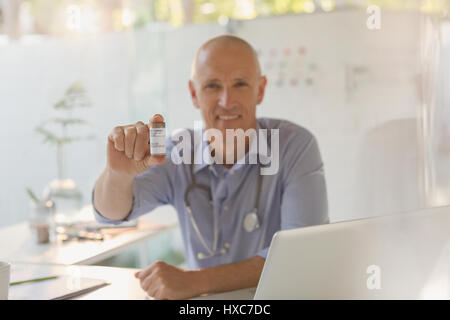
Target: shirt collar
200, 146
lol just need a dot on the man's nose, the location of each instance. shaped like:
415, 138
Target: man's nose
225, 100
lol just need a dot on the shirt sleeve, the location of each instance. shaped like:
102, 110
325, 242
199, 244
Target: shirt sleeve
304, 196
263, 253
304, 199
151, 189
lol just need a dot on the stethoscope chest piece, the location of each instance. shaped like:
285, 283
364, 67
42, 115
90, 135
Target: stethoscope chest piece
251, 221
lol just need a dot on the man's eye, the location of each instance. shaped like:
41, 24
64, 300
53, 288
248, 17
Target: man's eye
240, 84
212, 86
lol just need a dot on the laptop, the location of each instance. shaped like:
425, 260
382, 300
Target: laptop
401, 256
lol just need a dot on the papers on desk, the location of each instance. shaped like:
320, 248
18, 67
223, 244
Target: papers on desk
61, 288
93, 230
95, 225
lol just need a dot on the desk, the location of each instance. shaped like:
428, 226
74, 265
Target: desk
22, 248
124, 286
243, 294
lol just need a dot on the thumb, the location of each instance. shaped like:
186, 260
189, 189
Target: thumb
150, 160
157, 118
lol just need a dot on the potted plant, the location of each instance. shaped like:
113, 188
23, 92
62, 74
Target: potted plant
63, 192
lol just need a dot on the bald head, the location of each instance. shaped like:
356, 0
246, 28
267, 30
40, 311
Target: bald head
226, 83
226, 42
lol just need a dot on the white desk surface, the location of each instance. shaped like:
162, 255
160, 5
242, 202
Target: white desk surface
18, 245
243, 294
123, 285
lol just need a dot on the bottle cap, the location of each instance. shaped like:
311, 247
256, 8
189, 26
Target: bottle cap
157, 124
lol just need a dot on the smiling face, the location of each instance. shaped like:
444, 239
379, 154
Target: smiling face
226, 84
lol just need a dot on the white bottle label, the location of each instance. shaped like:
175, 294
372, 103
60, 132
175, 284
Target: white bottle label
157, 140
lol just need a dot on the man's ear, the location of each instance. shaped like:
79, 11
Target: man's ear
193, 94
261, 89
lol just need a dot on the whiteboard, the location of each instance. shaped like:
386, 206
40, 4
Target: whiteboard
355, 89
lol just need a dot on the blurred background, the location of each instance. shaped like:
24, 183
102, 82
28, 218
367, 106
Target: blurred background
370, 79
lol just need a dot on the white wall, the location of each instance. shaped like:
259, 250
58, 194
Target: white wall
365, 122
362, 105
32, 79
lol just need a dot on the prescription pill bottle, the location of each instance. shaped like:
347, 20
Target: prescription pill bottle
158, 139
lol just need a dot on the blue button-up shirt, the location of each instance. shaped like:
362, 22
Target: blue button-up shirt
293, 197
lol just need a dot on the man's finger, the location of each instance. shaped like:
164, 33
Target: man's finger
130, 139
151, 284
157, 118
146, 283
117, 137
141, 148
157, 293
144, 273
151, 161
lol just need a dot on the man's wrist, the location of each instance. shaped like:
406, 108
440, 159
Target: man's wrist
113, 195
121, 177
228, 277
201, 282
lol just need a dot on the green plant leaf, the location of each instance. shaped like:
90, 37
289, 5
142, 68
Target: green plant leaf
61, 105
48, 136
75, 96
67, 121
32, 195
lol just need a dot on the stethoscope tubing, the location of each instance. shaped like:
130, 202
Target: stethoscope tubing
194, 185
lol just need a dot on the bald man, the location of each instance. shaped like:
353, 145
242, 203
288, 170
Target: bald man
228, 222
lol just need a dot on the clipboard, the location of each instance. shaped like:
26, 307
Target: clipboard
61, 288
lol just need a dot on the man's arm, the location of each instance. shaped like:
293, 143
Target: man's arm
304, 200
163, 281
113, 194
233, 276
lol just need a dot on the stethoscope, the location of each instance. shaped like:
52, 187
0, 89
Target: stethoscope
251, 220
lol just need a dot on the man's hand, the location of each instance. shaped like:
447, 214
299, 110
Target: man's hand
128, 154
164, 281
129, 148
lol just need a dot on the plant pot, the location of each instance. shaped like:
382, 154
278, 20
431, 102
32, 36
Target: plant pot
67, 200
